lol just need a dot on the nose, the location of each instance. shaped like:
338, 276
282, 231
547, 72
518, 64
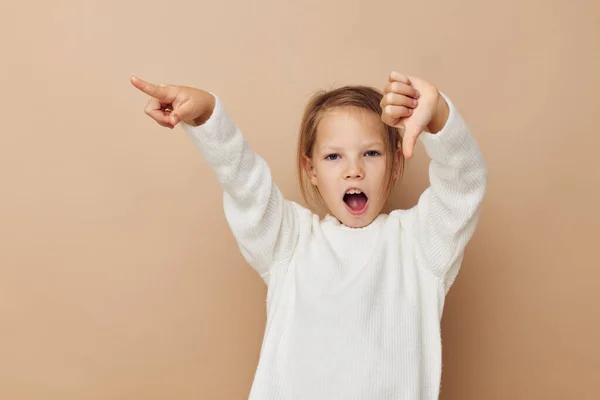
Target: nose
354, 170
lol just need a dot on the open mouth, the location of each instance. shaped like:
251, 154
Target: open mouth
356, 201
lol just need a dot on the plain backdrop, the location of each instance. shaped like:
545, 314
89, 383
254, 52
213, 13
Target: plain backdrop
119, 277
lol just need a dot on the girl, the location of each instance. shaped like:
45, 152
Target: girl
354, 300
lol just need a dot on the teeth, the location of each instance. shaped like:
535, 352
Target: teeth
353, 191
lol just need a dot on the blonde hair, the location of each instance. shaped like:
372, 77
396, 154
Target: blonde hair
358, 97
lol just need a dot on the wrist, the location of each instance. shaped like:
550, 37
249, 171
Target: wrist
440, 117
210, 101
201, 119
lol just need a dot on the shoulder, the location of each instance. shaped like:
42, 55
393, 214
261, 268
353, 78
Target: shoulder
402, 217
304, 216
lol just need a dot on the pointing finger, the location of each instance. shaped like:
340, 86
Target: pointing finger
160, 92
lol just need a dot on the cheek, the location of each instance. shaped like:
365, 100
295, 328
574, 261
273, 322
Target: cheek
378, 172
325, 171
327, 178
378, 166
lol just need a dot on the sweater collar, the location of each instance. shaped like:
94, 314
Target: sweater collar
334, 222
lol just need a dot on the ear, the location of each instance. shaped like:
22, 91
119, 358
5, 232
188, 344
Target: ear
310, 169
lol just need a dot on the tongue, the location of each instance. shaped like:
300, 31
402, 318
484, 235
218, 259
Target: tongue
356, 201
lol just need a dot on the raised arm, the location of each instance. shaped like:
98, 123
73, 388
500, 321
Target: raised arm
443, 221
264, 224
445, 217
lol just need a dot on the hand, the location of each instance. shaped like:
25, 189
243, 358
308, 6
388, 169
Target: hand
409, 103
170, 104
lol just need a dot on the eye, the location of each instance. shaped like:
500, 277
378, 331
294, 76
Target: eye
373, 153
329, 157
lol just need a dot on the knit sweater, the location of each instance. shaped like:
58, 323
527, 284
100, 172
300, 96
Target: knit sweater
352, 313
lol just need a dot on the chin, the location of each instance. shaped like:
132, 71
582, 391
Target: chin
359, 224
356, 221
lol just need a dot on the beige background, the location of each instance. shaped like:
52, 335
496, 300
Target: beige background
119, 278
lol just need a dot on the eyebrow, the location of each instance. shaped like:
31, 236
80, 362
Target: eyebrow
370, 144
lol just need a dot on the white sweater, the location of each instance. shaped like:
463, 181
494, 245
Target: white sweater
352, 313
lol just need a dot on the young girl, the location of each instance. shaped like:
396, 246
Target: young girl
354, 300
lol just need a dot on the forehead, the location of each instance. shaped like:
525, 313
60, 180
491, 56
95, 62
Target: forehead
349, 125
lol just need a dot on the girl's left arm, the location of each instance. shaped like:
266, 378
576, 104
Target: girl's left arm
444, 219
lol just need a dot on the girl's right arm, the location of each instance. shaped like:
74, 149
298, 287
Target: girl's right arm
264, 224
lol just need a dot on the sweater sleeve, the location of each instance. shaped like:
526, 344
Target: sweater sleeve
264, 224
444, 219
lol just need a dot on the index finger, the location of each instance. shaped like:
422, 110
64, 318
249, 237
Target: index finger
398, 77
156, 91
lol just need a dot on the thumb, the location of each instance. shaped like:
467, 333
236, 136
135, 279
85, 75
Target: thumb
182, 112
174, 118
410, 139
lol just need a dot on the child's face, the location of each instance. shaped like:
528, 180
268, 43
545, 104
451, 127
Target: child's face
350, 152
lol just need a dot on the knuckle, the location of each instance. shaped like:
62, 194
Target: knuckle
149, 106
400, 111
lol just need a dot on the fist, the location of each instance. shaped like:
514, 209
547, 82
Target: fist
170, 104
409, 103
